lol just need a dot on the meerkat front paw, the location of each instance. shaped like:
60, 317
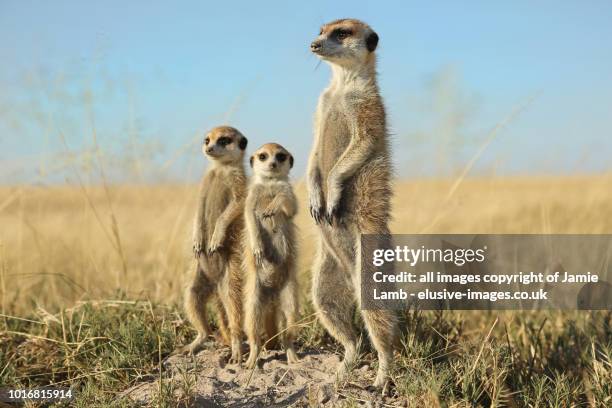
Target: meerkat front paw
213, 248
333, 215
216, 242
198, 245
258, 254
269, 212
197, 248
334, 210
317, 209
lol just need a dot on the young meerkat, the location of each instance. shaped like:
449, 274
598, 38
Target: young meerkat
349, 183
271, 284
217, 241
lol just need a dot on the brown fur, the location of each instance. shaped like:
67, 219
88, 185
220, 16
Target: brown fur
358, 27
217, 239
349, 180
271, 285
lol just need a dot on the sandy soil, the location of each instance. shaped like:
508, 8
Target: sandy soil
309, 383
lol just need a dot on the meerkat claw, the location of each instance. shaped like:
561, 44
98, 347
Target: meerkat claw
268, 214
332, 216
317, 214
213, 250
258, 255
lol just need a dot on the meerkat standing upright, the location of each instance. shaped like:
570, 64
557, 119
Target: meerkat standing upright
217, 239
271, 283
349, 176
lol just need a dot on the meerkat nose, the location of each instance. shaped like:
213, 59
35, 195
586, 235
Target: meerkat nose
273, 165
315, 46
209, 150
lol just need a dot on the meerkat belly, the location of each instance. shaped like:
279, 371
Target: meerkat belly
214, 206
335, 138
276, 234
277, 241
217, 197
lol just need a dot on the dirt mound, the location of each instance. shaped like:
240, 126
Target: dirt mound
205, 380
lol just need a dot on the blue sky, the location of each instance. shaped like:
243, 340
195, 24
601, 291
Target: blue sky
155, 75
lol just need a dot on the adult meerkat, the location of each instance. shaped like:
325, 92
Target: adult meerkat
217, 239
271, 284
349, 177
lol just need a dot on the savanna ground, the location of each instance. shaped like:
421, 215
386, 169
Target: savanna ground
91, 281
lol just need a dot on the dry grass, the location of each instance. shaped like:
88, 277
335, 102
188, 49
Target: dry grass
58, 245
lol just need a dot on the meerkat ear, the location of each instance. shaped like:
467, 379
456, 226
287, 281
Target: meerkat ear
251, 161
243, 143
372, 41
290, 161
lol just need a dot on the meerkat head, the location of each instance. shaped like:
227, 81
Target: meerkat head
345, 42
271, 161
224, 144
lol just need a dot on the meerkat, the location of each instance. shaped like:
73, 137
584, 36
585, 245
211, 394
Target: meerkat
349, 184
217, 241
271, 284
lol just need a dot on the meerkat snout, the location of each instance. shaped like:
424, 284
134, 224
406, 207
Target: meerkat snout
315, 46
224, 144
345, 40
271, 160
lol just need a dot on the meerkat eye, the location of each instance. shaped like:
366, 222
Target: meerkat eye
207, 141
341, 34
281, 157
224, 141
262, 156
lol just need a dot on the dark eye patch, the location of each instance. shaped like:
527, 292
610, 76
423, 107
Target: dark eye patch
341, 33
224, 141
207, 141
281, 157
262, 156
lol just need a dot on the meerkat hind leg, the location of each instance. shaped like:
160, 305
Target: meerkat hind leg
252, 321
380, 324
381, 327
224, 334
289, 311
231, 298
196, 298
333, 299
271, 327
